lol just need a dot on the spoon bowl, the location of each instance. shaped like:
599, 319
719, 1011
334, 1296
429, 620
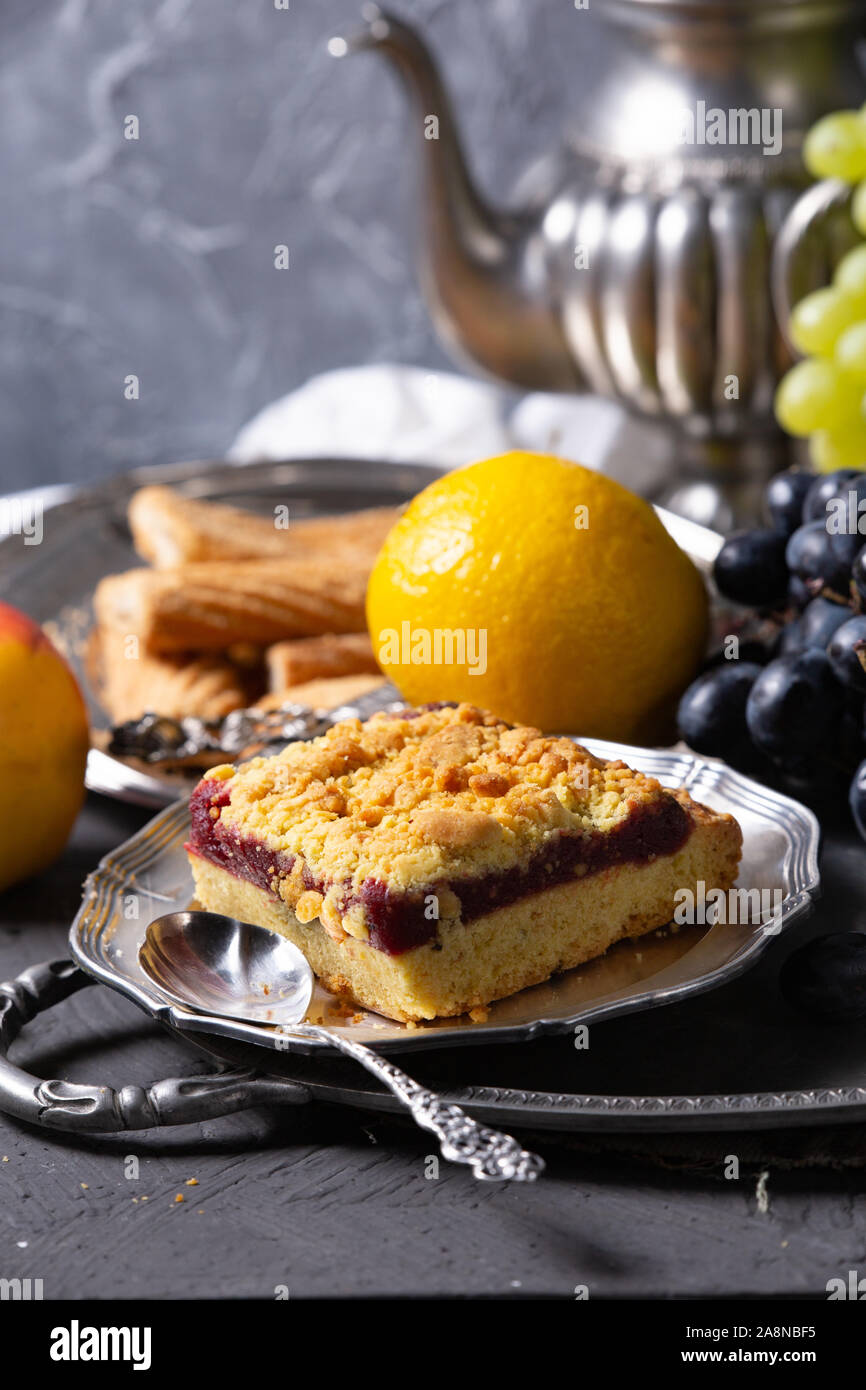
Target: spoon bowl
218, 965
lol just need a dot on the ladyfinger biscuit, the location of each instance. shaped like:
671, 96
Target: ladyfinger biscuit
169, 529
131, 681
212, 606
317, 658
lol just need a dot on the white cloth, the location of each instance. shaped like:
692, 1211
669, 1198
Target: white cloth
399, 414
406, 414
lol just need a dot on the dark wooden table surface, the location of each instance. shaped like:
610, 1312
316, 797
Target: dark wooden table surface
328, 1201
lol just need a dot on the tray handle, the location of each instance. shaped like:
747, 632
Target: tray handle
67, 1105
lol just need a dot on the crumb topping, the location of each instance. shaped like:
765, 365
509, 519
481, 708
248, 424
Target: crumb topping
416, 800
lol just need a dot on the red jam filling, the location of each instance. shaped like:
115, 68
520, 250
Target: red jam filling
399, 921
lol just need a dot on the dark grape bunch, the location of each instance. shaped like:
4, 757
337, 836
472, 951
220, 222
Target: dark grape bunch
794, 707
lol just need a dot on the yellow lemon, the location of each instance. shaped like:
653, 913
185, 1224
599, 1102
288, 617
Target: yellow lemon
542, 591
43, 745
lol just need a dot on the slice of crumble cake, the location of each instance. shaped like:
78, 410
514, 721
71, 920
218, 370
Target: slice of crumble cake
430, 861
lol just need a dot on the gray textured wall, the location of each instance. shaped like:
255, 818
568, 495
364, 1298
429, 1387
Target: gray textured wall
155, 256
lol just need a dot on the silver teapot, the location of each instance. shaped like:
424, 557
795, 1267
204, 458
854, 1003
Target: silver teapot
638, 262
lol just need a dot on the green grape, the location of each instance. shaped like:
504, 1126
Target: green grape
819, 319
850, 351
850, 274
858, 208
848, 406
835, 148
810, 397
830, 450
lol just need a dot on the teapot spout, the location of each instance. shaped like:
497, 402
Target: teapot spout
486, 290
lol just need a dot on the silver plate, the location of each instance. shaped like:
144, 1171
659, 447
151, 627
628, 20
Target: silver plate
149, 875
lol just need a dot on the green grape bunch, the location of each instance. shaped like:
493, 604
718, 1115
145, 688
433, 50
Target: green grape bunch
823, 397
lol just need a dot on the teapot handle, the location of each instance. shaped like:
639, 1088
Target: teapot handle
83, 1109
822, 213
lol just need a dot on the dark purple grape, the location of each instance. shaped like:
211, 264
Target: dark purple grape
822, 559
798, 593
785, 496
807, 778
827, 977
849, 744
857, 798
858, 573
825, 486
821, 619
793, 706
712, 712
750, 568
791, 639
847, 653
845, 510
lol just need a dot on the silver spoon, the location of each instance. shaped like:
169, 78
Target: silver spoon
217, 965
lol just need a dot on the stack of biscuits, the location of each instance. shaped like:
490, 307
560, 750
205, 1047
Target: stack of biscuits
235, 609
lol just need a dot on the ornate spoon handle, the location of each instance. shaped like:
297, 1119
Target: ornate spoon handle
488, 1152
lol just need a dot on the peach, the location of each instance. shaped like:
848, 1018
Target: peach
43, 748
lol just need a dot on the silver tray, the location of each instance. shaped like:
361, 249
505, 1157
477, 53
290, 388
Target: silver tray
150, 875
87, 537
